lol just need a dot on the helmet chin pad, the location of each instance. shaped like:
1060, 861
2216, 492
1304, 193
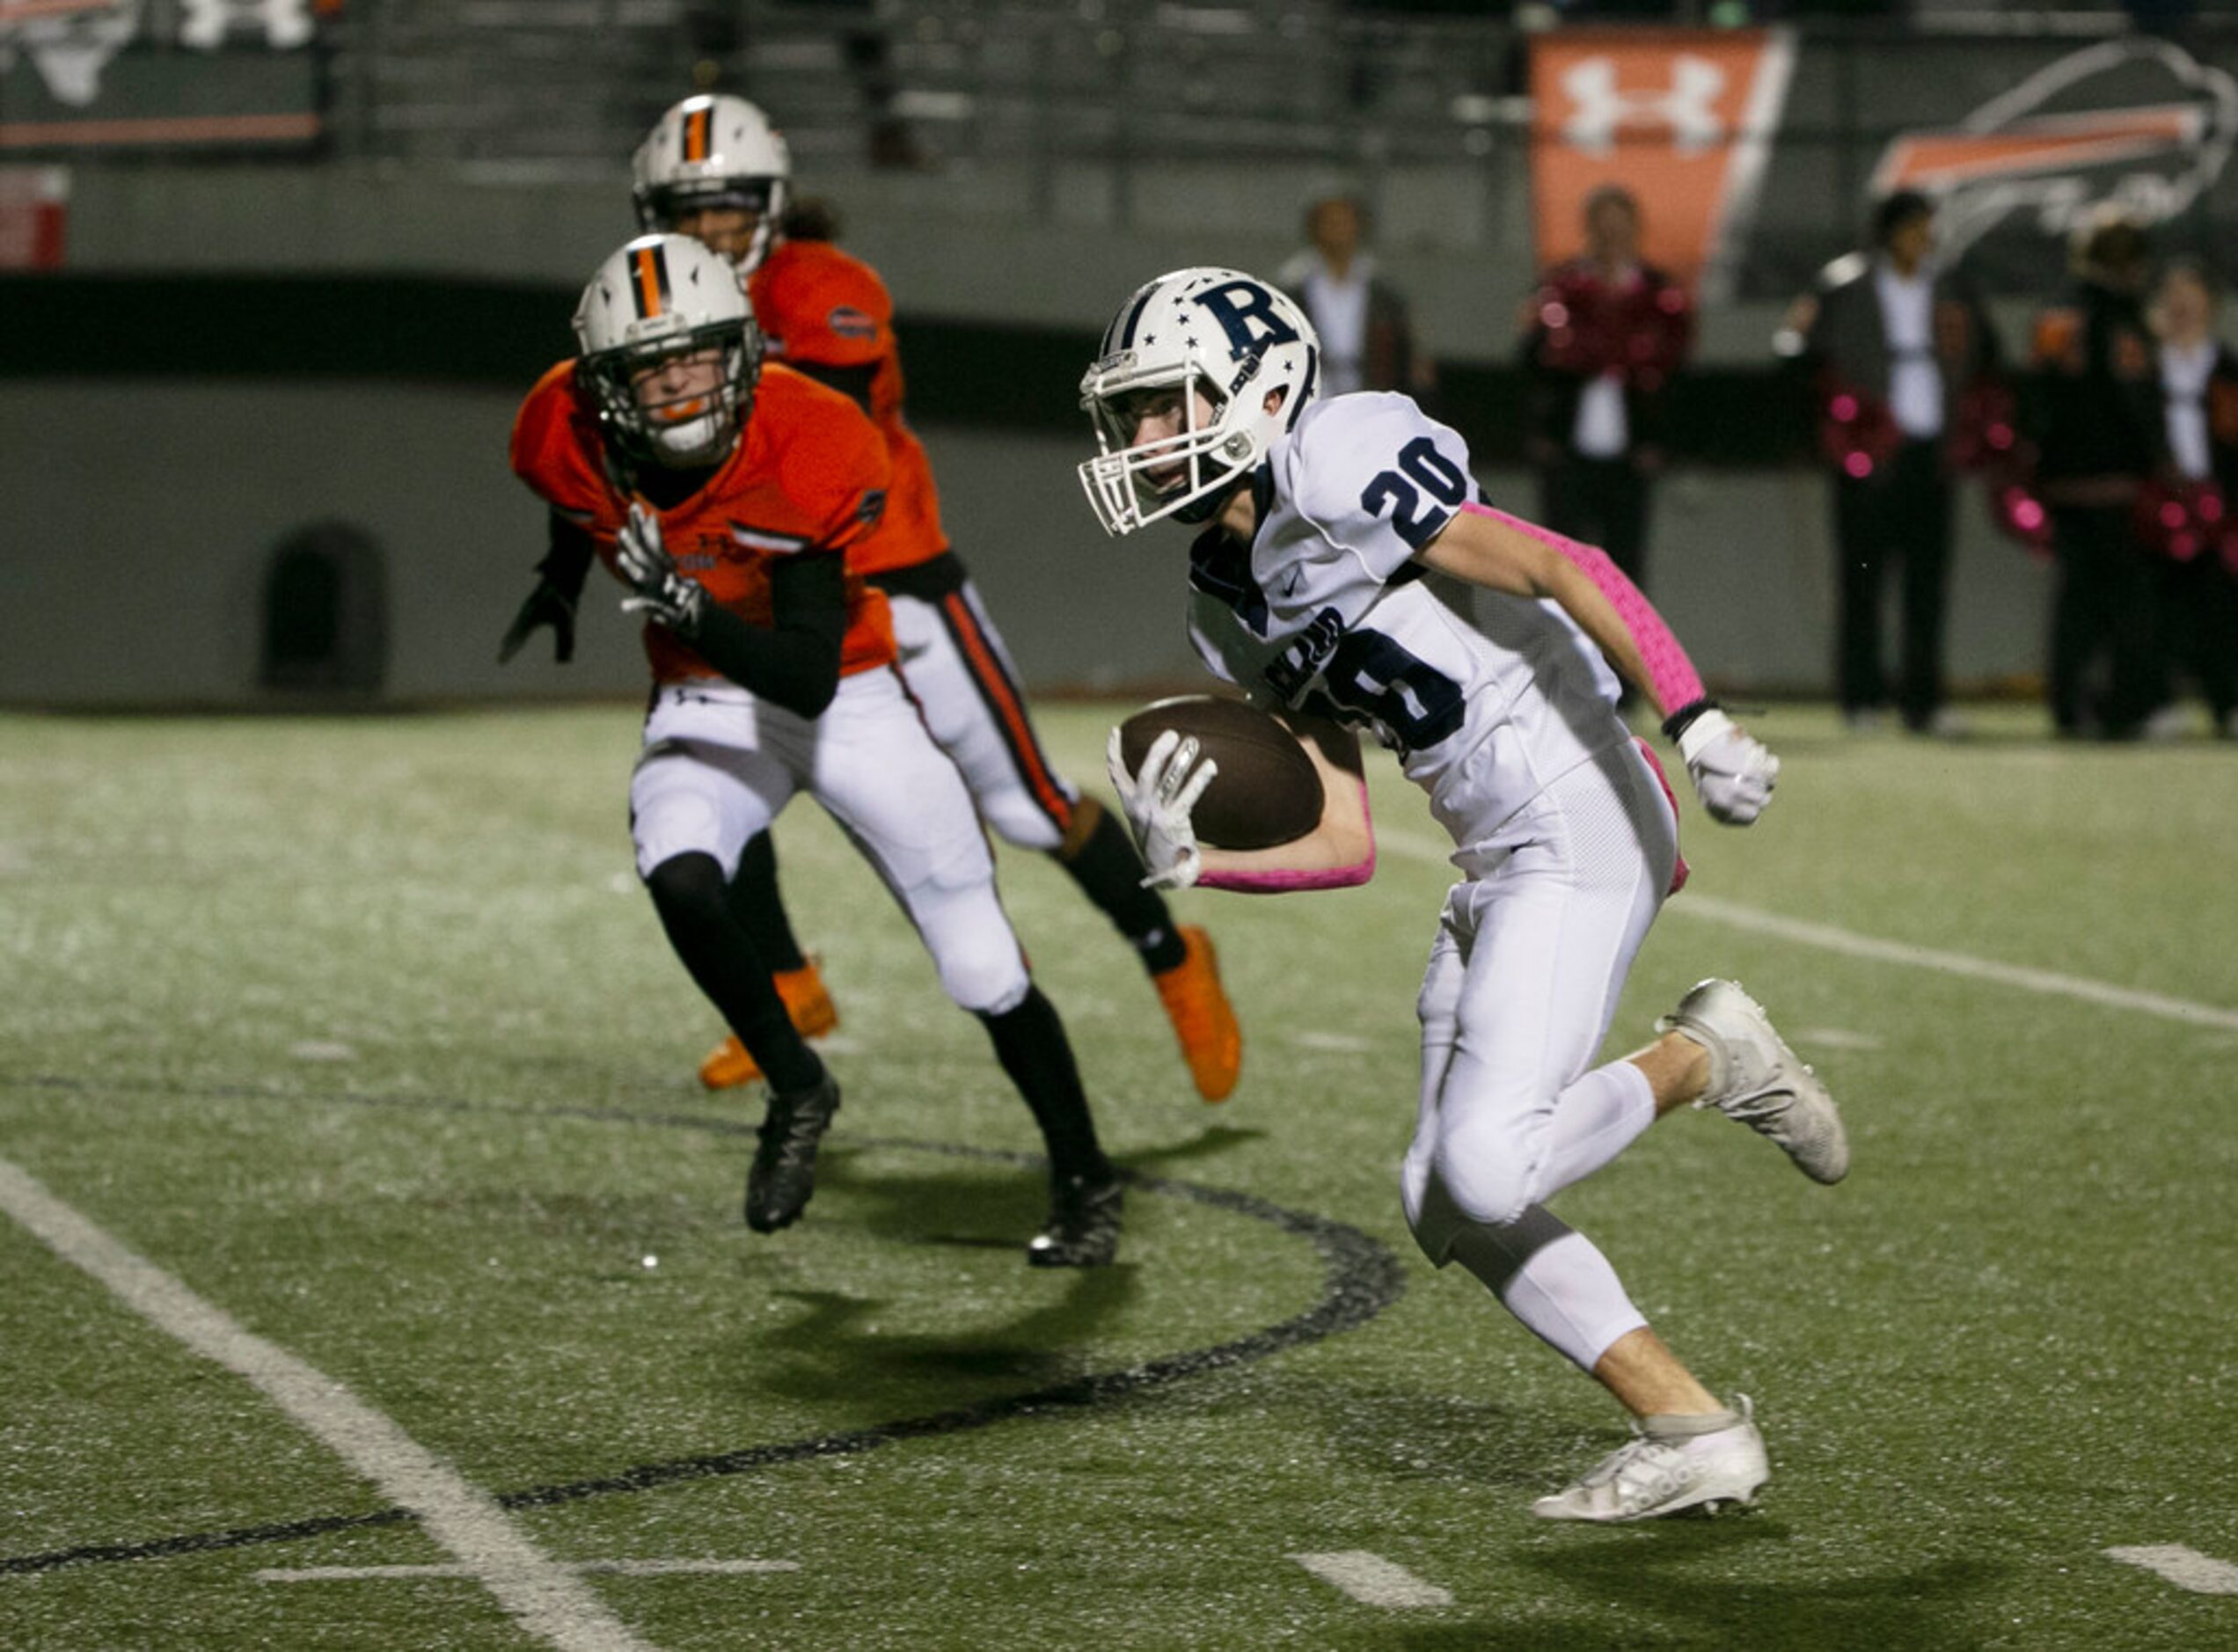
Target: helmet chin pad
691, 443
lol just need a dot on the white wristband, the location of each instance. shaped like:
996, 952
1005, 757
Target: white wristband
1704, 732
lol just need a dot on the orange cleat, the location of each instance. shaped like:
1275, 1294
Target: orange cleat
728, 1065
1203, 1018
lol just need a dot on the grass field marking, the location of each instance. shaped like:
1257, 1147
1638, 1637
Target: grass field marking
1361, 1277
544, 1598
1847, 942
1373, 1580
619, 1568
2185, 1568
1827, 937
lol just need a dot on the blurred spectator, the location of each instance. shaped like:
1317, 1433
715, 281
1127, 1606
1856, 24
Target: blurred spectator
1895, 346
1367, 342
1602, 338
2186, 513
2094, 413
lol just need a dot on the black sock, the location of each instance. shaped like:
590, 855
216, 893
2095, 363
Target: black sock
760, 910
1110, 873
1030, 1043
688, 893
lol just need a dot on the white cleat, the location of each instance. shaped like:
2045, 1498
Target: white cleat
1756, 1078
1648, 1478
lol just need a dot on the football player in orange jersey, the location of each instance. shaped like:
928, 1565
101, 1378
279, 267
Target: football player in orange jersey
713, 169
726, 496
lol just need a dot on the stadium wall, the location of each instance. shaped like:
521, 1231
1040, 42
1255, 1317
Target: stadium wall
143, 513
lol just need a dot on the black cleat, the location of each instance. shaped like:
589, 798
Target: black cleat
1083, 1230
784, 1173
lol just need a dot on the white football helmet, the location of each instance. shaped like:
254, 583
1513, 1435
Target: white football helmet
1231, 336
659, 297
713, 151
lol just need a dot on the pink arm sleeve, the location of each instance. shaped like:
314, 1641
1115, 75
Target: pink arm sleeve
1669, 672
1274, 881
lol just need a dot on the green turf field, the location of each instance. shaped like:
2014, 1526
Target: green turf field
361, 1031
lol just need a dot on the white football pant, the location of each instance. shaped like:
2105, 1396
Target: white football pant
957, 667
1524, 979
719, 766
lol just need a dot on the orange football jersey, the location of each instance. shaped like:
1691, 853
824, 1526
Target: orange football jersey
808, 475
816, 304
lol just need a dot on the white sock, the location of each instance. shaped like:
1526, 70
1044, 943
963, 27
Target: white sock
1596, 1119
1676, 1428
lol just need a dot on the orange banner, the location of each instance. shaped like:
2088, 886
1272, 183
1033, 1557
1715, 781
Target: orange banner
1682, 119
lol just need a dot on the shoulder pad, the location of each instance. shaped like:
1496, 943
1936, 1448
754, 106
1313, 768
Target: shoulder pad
818, 304
555, 441
830, 461
1375, 474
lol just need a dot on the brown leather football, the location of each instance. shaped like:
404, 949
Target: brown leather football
1266, 792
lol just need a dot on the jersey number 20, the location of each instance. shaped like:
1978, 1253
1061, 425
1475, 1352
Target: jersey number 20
1395, 492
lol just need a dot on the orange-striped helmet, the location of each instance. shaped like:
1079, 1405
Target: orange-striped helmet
714, 152
670, 351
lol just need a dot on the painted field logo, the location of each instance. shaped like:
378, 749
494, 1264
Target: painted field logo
2137, 123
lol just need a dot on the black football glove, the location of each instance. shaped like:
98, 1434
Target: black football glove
547, 605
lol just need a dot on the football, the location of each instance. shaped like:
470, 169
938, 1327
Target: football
1266, 792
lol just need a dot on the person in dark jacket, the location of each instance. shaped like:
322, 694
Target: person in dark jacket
2186, 511
1896, 345
1367, 338
2095, 417
1603, 337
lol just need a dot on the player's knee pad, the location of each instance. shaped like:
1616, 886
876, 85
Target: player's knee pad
1431, 1217
1485, 1170
1021, 821
689, 892
985, 974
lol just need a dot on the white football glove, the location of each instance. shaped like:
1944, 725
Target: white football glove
662, 593
1158, 802
1733, 773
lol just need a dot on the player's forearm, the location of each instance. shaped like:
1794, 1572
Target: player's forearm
569, 558
1612, 611
1338, 853
797, 668
795, 662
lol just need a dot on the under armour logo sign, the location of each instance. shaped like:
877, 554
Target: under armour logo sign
1246, 313
284, 24
1687, 105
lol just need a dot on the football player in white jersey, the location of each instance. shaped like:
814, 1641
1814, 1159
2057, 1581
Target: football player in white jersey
1348, 577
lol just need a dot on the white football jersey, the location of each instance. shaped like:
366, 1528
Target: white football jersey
1327, 612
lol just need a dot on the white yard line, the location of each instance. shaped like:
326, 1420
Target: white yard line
1369, 1578
1828, 937
619, 1568
544, 1597
2186, 1568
